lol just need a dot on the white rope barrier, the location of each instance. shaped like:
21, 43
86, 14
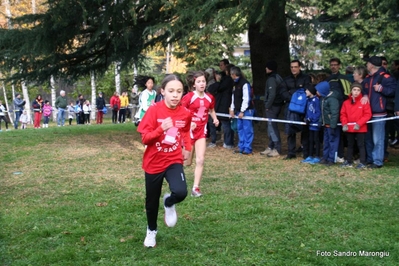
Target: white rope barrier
298, 122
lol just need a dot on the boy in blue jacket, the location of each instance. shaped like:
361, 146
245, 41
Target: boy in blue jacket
312, 118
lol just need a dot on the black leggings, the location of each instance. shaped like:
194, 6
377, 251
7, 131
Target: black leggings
174, 175
114, 116
86, 118
5, 121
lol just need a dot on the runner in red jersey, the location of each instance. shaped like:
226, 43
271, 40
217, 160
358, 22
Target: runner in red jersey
200, 105
165, 130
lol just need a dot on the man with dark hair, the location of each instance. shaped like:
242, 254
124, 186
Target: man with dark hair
341, 84
223, 102
273, 105
375, 91
222, 64
242, 105
18, 108
80, 102
290, 84
336, 76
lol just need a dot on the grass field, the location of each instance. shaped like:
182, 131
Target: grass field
75, 196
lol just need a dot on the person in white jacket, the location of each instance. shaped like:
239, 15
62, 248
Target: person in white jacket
147, 96
86, 112
24, 119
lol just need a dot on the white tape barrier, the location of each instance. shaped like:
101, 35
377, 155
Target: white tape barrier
299, 122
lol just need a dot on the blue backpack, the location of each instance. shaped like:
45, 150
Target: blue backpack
298, 101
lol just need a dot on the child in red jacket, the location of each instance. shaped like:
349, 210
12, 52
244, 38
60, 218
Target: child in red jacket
165, 129
354, 117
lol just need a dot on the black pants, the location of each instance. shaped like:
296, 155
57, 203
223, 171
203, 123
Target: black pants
81, 118
314, 143
359, 137
5, 121
122, 115
114, 116
291, 139
86, 119
342, 143
174, 175
212, 129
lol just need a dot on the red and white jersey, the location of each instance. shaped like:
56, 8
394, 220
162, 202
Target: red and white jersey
164, 147
199, 108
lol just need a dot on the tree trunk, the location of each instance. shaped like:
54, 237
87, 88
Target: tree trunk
26, 98
268, 40
118, 77
53, 97
93, 97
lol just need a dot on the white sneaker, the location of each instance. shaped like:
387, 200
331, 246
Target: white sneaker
150, 240
170, 213
211, 145
228, 146
196, 192
339, 160
266, 152
273, 153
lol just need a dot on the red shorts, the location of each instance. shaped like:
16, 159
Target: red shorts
198, 133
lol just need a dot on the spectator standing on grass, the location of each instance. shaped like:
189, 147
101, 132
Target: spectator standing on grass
273, 104
377, 86
37, 106
297, 80
124, 100
341, 84
211, 87
389, 107
312, 118
329, 120
115, 103
47, 110
354, 117
24, 119
223, 102
18, 108
396, 107
134, 100
3, 115
86, 112
79, 115
164, 129
200, 104
242, 105
71, 112
393, 138
100, 104
61, 105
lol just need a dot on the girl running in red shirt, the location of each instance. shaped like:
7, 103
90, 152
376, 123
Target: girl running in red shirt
200, 105
165, 129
